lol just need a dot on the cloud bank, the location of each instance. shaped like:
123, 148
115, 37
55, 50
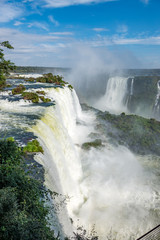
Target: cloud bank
9, 11
66, 3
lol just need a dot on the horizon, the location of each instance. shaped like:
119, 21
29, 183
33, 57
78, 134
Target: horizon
63, 33
36, 66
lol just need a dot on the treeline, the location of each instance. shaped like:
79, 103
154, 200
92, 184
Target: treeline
23, 214
40, 70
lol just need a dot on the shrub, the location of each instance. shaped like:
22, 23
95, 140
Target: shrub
31, 79
22, 211
33, 146
41, 92
50, 78
18, 90
9, 152
31, 96
45, 99
70, 87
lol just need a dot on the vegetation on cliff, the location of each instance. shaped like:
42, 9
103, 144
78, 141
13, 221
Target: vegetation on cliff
46, 100
50, 78
22, 211
97, 143
41, 92
141, 135
47, 78
32, 147
30, 96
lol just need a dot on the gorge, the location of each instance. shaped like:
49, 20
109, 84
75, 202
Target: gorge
109, 188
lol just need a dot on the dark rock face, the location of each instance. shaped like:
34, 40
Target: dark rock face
141, 98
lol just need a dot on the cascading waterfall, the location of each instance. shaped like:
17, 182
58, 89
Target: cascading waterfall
58, 134
114, 98
157, 101
109, 188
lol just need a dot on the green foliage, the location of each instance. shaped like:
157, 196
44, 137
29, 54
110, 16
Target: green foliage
139, 134
6, 44
8, 85
50, 78
18, 90
41, 92
5, 65
9, 152
70, 87
56, 79
11, 139
45, 99
31, 79
22, 211
95, 144
33, 146
30, 96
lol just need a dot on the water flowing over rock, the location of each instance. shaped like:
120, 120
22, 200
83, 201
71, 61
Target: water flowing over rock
114, 98
109, 189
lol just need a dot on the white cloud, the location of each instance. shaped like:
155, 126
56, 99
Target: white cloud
34, 49
118, 40
55, 22
51, 49
17, 23
141, 41
122, 28
38, 25
100, 29
8, 11
65, 3
145, 1
62, 33
25, 1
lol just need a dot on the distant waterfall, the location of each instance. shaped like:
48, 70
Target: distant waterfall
132, 83
157, 101
114, 98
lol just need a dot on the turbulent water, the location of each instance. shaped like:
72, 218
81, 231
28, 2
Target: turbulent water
108, 189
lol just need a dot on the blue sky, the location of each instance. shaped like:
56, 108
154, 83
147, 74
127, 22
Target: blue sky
54, 32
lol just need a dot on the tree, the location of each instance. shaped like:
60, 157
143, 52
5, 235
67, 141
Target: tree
5, 65
23, 213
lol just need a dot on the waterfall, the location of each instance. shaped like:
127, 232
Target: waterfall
56, 129
59, 136
108, 188
132, 83
114, 98
157, 101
